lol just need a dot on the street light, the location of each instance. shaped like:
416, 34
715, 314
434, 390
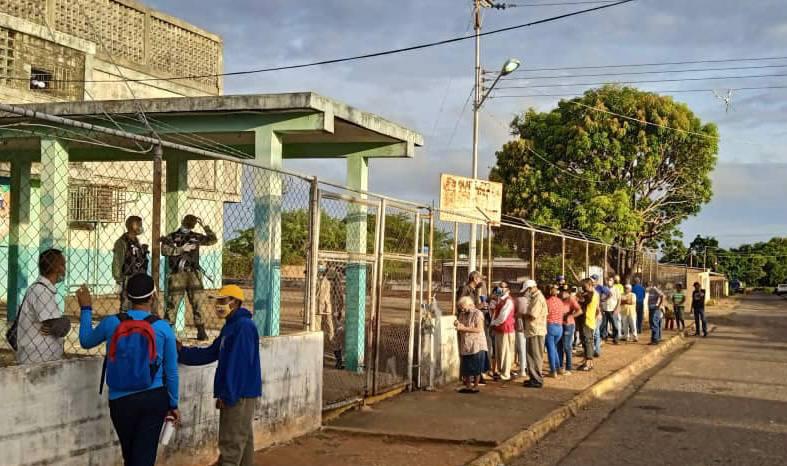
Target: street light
509, 67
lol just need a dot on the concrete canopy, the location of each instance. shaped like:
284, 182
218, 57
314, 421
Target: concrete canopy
309, 125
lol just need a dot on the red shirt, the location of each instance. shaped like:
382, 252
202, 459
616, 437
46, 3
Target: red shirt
556, 309
573, 306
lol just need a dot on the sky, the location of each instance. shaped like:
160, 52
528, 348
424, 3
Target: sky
426, 90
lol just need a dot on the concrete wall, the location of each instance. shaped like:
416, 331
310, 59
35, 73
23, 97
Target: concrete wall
52, 413
443, 353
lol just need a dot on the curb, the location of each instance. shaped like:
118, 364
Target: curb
517, 444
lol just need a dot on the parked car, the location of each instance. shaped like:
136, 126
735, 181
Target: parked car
781, 289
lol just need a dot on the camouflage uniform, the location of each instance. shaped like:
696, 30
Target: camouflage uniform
185, 273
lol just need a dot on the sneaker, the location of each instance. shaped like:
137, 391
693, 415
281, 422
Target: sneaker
561, 371
552, 375
505, 377
566, 373
482, 382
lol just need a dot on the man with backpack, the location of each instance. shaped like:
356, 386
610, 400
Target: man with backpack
141, 368
238, 380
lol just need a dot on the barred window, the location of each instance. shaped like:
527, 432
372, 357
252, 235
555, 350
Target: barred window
96, 203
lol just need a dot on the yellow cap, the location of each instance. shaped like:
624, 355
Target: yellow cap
230, 291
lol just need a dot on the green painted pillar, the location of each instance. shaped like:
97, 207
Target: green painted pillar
53, 213
177, 185
267, 189
22, 236
355, 291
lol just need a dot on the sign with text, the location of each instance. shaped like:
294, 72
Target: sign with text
468, 200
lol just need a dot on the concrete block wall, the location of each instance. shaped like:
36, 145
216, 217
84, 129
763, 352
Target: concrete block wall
52, 412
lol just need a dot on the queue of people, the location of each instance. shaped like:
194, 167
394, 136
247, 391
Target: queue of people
505, 337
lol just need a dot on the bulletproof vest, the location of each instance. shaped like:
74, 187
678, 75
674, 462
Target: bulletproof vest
188, 261
136, 260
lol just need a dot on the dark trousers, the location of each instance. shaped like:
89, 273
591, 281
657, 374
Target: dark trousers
138, 419
640, 316
535, 358
609, 319
655, 324
699, 318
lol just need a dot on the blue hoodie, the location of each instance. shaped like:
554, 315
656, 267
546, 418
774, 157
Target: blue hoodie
237, 349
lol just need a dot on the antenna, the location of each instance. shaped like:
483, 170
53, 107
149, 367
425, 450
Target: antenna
726, 99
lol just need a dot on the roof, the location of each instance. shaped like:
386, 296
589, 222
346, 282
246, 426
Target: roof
231, 119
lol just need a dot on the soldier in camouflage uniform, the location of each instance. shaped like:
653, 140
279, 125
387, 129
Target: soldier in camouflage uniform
181, 247
129, 258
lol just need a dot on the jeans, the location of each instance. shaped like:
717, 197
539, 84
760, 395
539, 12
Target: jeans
609, 319
566, 348
554, 334
597, 339
655, 324
640, 315
138, 419
679, 318
699, 318
521, 351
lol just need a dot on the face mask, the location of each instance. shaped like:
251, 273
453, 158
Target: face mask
222, 310
60, 277
321, 269
185, 230
141, 230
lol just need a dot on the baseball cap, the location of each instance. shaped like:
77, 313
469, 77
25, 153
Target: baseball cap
140, 286
560, 278
229, 291
530, 284
628, 287
594, 276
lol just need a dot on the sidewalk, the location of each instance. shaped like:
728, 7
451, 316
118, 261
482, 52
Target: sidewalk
444, 427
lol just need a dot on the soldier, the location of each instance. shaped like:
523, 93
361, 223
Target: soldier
185, 274
129, 258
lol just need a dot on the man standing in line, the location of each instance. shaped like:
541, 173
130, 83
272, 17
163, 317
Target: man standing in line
129, 258
639, 292
655, 299
698, 308
41, 325
185, 273
472, 288
609, 308
535, 332
621, 291
238, 381
503, 322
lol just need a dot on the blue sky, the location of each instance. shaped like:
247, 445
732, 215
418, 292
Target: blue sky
426, 90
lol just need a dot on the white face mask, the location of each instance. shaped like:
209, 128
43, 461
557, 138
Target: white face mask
185, 230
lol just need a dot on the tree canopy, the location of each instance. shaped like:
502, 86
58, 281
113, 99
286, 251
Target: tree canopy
581, 166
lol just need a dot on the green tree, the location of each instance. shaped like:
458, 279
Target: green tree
582, 167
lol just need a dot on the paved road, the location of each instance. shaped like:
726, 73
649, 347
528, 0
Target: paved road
723, 401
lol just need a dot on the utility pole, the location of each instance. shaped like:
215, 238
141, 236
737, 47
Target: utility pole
476, 109
705, 259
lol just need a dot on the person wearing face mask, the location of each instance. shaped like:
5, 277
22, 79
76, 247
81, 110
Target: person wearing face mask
41, 326
238, 381
185, 273
129, 258
327, 315
141, 368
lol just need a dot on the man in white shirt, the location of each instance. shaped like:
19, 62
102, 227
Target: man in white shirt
42, 326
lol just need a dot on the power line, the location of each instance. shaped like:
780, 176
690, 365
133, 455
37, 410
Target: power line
529, 5
671, 91
623, 73
634, 65
357, 57
645, 81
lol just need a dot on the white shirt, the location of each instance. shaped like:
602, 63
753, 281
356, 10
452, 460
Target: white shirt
508, 307
40, 304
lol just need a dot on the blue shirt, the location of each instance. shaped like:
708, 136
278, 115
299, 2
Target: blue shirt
166, 349
639, 291
238, 374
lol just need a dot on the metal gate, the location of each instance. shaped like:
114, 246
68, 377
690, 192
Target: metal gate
365, 292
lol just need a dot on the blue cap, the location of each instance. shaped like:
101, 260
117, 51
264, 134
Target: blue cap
560, 278
594, 276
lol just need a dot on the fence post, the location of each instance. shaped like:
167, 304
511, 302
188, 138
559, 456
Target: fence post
312, 263
155, 220
454, 285
413, 298
532, 254
481, 251
606, 259
430, 258
380, 276
491, 256
587, 259
563, 256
